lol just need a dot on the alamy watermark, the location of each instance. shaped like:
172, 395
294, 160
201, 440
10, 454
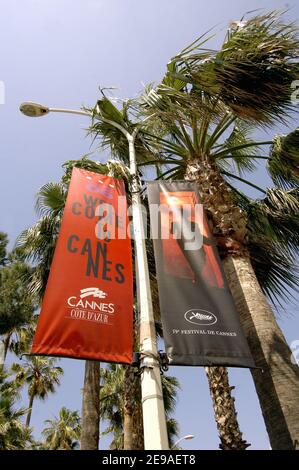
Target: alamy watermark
167, 222
2, 92
184, 223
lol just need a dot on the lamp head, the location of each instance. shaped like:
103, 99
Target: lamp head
33, 109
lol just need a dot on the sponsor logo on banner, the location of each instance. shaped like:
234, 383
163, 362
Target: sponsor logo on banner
84, 307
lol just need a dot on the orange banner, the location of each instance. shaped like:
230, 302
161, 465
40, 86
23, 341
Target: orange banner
87, 310
175, 261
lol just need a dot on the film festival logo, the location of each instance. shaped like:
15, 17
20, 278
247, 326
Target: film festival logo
2, 92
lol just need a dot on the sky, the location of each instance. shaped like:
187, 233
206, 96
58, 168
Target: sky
58, 52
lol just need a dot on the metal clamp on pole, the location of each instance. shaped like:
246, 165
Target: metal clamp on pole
164, 361
149, 360
136, 359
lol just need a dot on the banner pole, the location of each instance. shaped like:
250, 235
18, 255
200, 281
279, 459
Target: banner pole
154, 421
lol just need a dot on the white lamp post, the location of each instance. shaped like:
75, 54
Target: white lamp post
154, 422
187, 437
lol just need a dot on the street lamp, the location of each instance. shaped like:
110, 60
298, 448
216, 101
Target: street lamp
187, 437
154, 422
36, 110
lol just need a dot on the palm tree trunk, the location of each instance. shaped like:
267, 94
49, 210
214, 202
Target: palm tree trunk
138, 439
28, 418
220, 390
91, 407
224, 409
6, 342
277, 380
4, 349
128, 429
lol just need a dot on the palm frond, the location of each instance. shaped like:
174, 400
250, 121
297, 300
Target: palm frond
273, 241
170, 386
283, 163
253, 71
240, 147
274, 267
85, 164
50, 199
109, 127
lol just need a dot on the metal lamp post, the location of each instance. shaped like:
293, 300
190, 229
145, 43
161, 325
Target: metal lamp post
187, 437
154, 421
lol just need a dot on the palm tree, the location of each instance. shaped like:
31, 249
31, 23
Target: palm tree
112, 402
16, 306
127, 430
110, 137
204, 111
19, 339
41, 375
63, 432
198, 127
13, 434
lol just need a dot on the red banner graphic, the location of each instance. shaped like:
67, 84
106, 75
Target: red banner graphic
87, 310
174, 255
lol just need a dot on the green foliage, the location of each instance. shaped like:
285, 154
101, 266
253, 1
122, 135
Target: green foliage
62, 432
112, 401
205, 109
3, 245
84, 164
38, 244
273, 243
283, 163
50, 199
39, 373
253, 71
16, 303
112, 130
13, 434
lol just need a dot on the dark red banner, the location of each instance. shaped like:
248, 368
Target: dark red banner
200, 322
87, 310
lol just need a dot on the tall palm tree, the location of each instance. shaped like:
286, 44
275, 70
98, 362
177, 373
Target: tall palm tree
204, 111
63, 432
225, 413
199, 123
128, 431
41, 375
